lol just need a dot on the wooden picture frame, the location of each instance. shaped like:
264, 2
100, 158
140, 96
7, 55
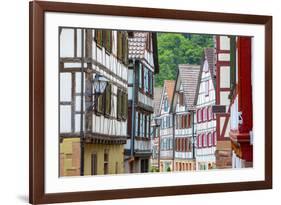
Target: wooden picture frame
37, 10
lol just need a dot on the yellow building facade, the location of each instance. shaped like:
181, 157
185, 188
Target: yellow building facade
99, 159
70, 157
103, 159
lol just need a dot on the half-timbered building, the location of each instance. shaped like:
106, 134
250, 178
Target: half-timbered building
166, 127
155, 130
183, 109
93, 125
205, 120
223, 91
143, 64
241, 111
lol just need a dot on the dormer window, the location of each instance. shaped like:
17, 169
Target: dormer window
205, 66
181, 99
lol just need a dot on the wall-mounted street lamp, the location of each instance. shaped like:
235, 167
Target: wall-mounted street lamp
99, 83
157, 121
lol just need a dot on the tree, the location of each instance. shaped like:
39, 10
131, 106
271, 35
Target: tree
174, 49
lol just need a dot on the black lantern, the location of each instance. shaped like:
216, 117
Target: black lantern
99, 83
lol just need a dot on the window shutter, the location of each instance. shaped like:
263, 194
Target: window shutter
125, 48
119, 45
198, 140
189, 120
119, 104
98, 37
108, 100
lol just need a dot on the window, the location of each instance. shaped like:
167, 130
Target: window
124, 110
189, 120
141, 125
210, 139
215, 138
140, 75
181, 99
150, 83
137, 124
94, 164
166, 106
202, 114
106, 160
147, 126
100, 104
184, 144
198, 115
199, 141
207, 88
210, 114
204, 140
183, 121
145, 71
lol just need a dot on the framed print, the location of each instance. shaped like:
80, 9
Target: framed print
124, 106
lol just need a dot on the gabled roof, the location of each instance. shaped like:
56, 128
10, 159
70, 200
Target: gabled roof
157, 99
137, 45
168, 86
209, 55
187, 76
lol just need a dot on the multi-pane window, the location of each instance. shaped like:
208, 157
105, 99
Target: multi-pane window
207, 88
103, 102
215, 138
137, 124
181, 103
210, 143
106, 161
204, 140
199, 141
140, 75
166, 106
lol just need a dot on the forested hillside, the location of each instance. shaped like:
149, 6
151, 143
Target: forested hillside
174, 49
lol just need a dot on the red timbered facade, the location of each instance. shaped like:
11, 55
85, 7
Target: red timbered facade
241, 106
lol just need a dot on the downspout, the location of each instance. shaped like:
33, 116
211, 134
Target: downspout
133, 112
193, 136
82, 108
174, 140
